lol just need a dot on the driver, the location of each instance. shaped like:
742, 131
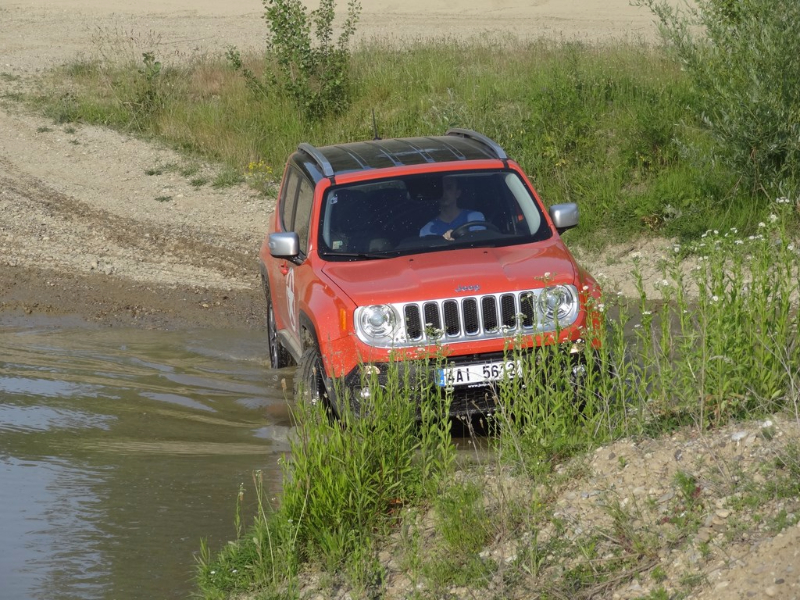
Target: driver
450, 215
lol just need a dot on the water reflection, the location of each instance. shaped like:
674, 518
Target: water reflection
119, 450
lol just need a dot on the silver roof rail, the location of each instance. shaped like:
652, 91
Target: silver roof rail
319, 158
479, 137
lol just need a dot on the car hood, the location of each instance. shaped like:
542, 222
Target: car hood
454, 273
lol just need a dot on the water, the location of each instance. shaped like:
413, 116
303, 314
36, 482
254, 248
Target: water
121, 449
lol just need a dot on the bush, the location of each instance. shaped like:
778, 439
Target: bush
315, 75
743, 57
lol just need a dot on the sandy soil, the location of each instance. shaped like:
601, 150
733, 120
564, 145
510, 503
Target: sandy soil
38, 33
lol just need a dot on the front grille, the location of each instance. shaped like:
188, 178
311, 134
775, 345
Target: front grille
474, 318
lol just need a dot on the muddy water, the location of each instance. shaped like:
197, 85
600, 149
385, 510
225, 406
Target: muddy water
120, 450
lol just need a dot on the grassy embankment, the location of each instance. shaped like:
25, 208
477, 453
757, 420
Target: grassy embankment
598, 126
610, 128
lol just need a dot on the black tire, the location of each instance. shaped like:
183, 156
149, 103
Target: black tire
279, 357
309, 380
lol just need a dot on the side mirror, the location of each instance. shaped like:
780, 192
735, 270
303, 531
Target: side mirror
564, 216
284, 245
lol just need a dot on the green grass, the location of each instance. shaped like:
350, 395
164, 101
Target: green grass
608, 127
721, 347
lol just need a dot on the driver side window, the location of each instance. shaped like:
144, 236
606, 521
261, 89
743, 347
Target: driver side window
302, 213
288, 199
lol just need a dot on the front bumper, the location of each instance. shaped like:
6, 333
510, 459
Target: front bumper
420, 380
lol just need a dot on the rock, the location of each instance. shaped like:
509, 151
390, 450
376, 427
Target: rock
738, 436
771, 591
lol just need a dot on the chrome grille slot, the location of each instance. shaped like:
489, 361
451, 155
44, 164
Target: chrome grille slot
526, 301
413, 322
471, 321
452, 323
489, 307
508, 308
431, 311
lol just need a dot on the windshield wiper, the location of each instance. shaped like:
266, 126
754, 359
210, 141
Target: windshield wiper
360, 255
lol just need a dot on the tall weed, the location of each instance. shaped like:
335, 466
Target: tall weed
721, 344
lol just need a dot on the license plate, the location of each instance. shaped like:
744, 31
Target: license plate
479, 373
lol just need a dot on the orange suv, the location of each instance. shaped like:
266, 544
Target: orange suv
410, 248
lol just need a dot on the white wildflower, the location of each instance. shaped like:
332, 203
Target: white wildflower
738, 242
762, 224
773, 217
715, 298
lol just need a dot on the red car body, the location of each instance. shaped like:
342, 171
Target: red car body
345, 291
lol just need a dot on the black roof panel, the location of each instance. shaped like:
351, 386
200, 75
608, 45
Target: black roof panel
397, 152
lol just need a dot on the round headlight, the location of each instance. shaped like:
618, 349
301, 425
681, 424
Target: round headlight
556, 304
377, 321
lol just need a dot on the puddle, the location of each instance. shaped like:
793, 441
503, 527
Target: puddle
121, 449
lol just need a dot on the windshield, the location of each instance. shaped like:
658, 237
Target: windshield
429, 212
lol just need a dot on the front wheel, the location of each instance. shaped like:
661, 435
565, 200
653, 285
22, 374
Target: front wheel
309, 381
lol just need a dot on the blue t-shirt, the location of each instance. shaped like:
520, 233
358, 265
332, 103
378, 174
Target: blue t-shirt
439, 227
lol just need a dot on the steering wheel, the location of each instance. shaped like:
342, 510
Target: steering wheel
463, 229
